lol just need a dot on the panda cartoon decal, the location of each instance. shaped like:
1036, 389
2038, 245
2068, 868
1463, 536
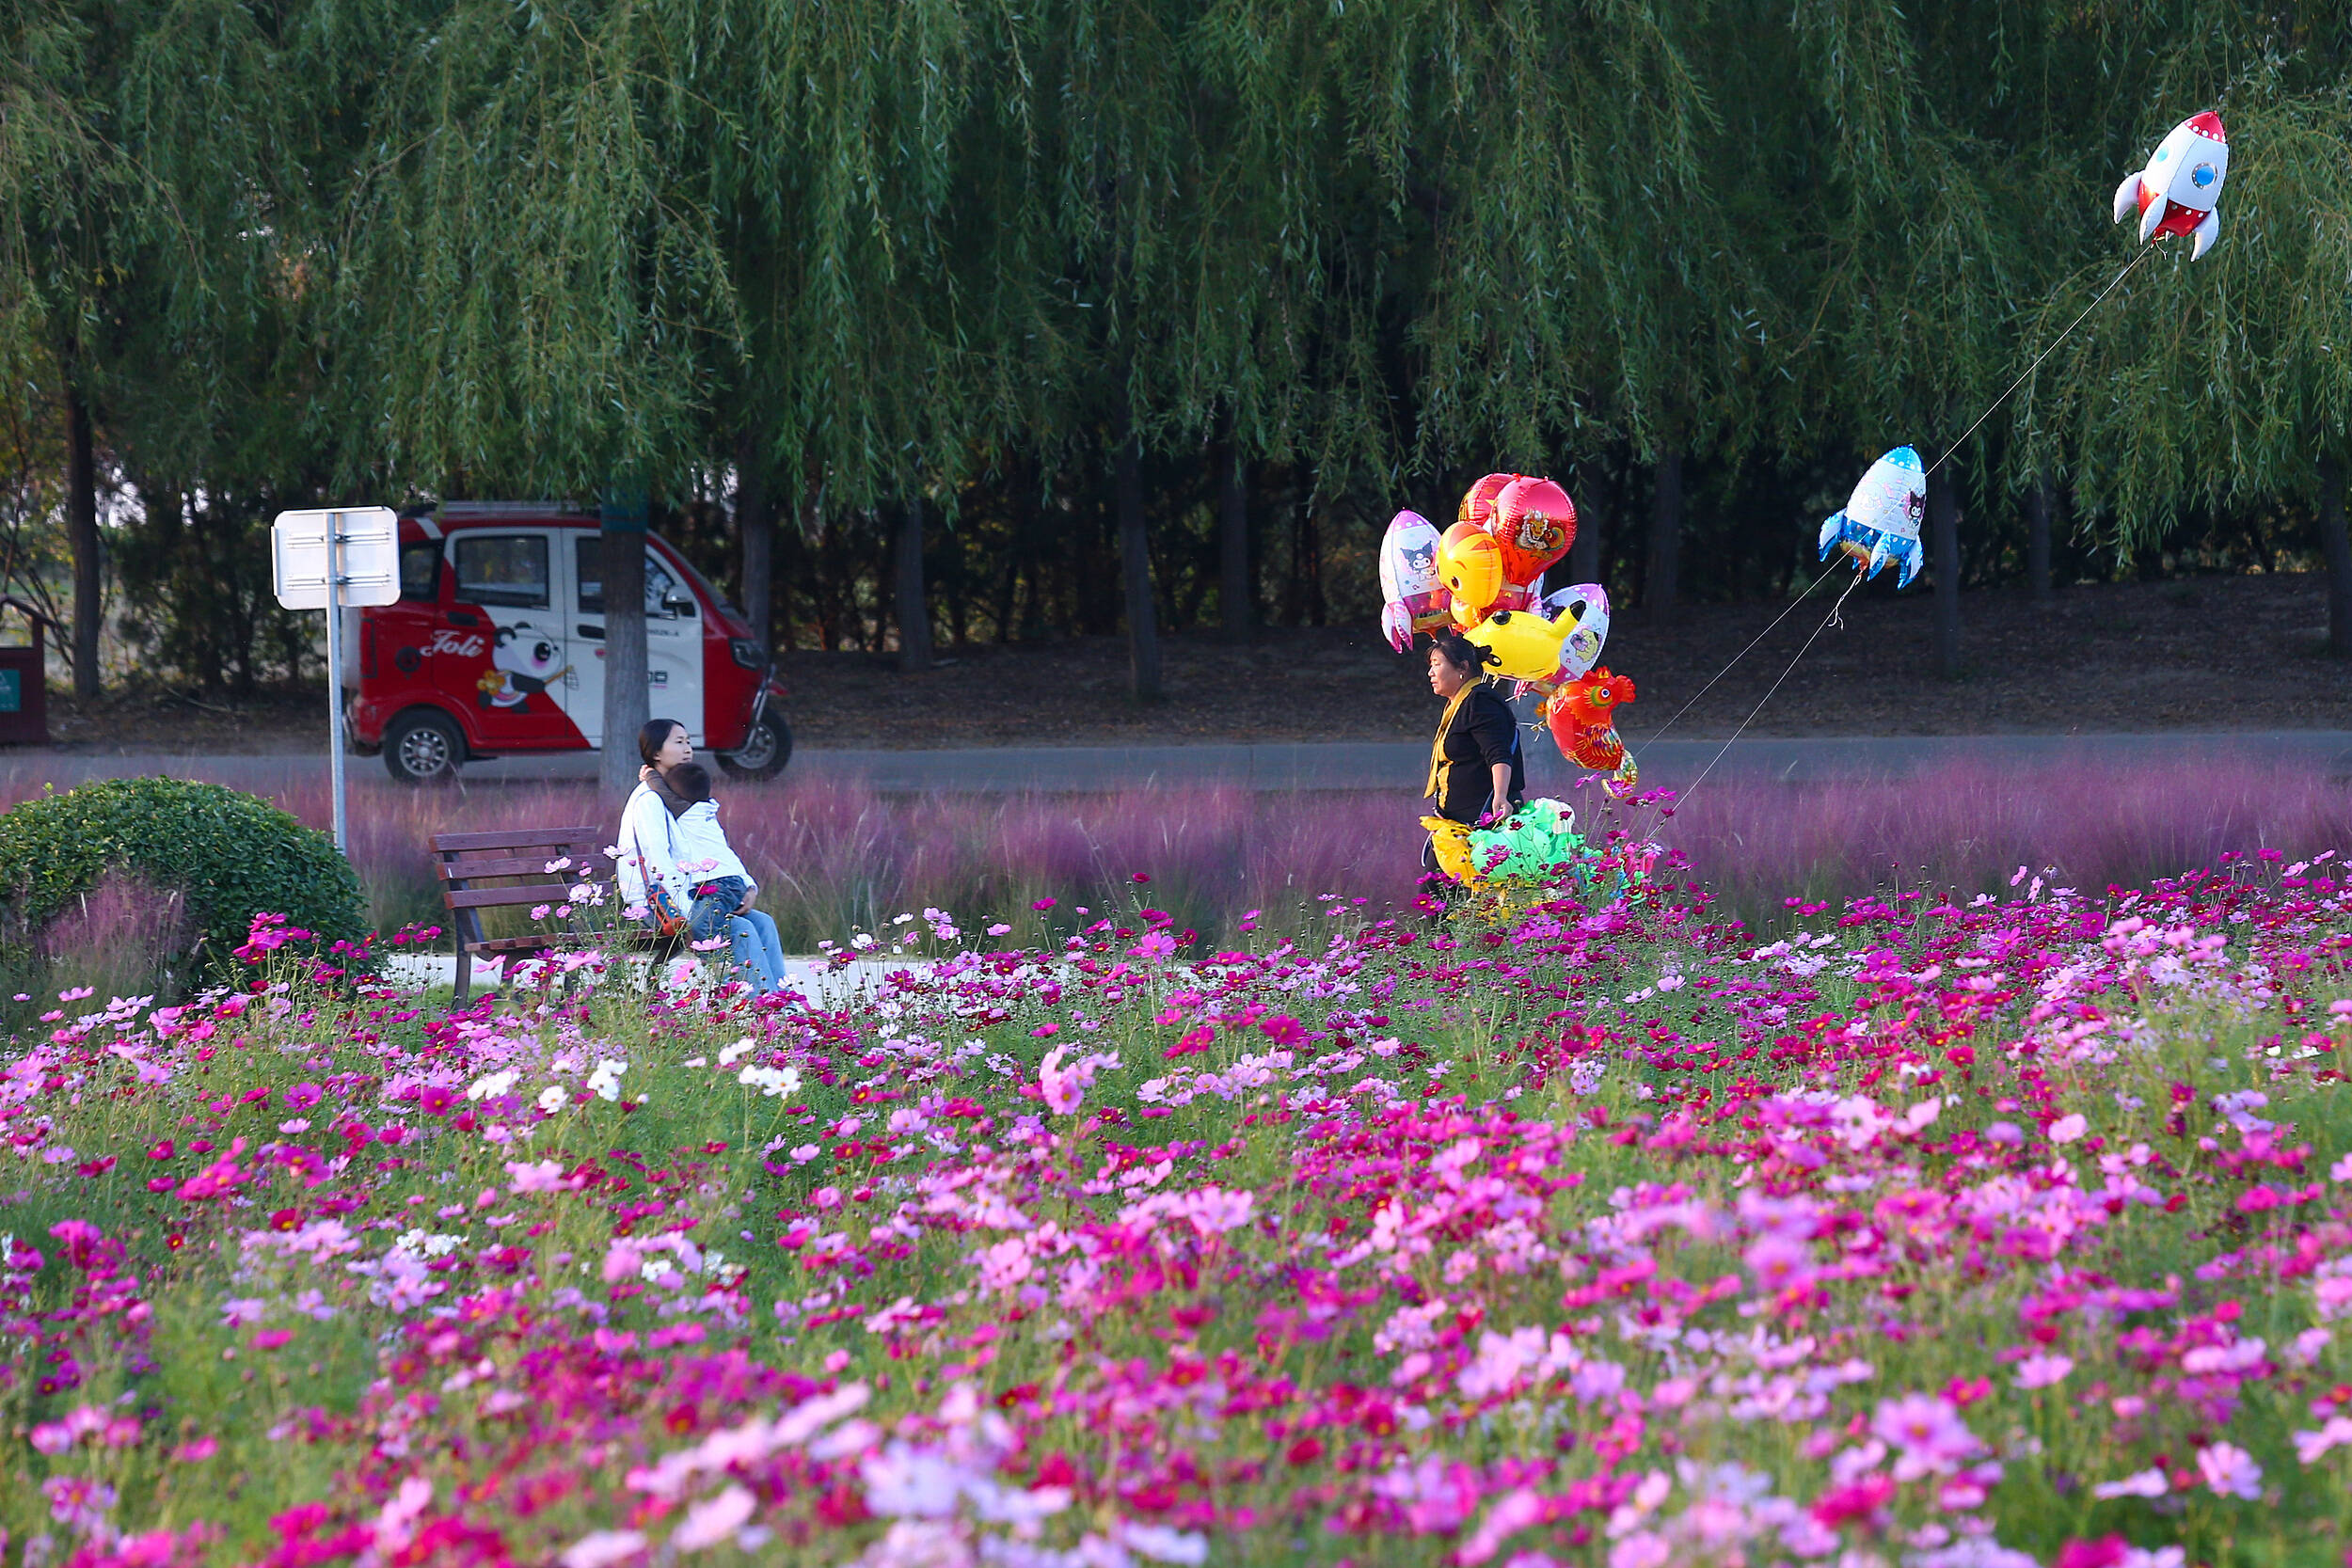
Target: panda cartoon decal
520, 660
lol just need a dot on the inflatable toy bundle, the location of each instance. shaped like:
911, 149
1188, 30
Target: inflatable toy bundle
1538, 847
1484, 577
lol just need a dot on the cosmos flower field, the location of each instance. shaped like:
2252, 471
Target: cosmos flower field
1937, 1232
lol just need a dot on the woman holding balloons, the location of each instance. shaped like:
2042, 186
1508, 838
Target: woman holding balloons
1476, 771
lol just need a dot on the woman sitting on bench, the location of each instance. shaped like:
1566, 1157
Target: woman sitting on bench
656, 857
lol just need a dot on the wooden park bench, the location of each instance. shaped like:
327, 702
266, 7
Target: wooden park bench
508, 869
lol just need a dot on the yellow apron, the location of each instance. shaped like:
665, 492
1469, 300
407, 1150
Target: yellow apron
1450, 838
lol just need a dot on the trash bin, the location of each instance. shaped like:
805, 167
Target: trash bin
24, 684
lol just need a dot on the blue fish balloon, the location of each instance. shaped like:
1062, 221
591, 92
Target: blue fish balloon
1880, 523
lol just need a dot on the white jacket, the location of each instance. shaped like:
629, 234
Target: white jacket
647, 850
654, 847
704, 851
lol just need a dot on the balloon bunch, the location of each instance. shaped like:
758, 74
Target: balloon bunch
1484, 577
1510, 528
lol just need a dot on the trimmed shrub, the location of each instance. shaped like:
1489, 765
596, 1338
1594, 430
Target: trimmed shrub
231, 855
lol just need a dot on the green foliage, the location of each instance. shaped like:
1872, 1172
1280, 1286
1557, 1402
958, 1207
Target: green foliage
235, 856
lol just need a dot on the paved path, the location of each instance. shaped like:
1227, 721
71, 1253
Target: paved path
821, 982
1330, 765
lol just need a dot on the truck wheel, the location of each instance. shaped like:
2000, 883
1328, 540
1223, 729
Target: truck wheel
423, 747
764, 751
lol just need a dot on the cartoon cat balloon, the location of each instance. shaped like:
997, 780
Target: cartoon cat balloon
1414, 599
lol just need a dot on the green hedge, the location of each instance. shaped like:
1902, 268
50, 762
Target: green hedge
232, 855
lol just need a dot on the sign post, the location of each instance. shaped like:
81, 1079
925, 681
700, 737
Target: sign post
331, 560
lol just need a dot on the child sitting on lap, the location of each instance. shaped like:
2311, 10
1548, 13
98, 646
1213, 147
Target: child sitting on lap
714, 872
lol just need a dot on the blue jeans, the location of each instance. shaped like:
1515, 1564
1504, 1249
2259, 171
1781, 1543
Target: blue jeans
713, 903
758, 949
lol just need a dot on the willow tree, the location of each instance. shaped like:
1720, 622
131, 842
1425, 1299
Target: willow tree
1098, 191
847, 142
1286, 258
62, 194
534, 289
1587, 287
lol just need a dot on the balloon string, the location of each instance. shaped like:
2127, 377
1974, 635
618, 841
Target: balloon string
2023, 375
1737, 658
1827, 621
2145, 251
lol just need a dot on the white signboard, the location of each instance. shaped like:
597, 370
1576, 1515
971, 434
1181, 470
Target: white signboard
366, 557
333, 560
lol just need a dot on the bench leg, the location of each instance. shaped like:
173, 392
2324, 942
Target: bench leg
465, 971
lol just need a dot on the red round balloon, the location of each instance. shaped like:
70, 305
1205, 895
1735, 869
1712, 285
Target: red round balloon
1478, 504
1534, 522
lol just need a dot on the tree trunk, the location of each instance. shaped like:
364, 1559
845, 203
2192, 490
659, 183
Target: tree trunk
81, 528
2337, 550
1584, 554
1134, 559
1943, 556
755, 521
1236, 598
2040, 500
1661, 592
627, 704
1308, 553
913, 611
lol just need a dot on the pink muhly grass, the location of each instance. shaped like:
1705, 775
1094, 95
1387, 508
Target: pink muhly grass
834, 854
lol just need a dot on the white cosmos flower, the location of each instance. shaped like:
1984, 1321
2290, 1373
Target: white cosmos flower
783, 1083
490, 1085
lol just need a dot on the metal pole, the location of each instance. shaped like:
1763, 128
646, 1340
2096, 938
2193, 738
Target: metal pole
335, 669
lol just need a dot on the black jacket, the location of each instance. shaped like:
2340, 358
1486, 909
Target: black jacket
1484, 732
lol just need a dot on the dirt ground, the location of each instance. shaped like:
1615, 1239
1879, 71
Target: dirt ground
2207, 653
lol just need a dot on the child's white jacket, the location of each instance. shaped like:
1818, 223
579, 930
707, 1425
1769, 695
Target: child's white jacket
704, 852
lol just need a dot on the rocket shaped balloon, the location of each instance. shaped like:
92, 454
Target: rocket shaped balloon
1881, 522
2176, 193
1414, 599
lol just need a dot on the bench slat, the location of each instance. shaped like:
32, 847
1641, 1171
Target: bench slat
500, 898
520, 865
520, 852
518, 838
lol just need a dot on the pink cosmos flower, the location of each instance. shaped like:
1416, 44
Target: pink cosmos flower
2040, 1371
1155, 945
1065, 1087
713, 1520
1929, 1432
604, 1547
2230, 1471
1780, 1263
1061, 1094
2310, 1446
2149, 1482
